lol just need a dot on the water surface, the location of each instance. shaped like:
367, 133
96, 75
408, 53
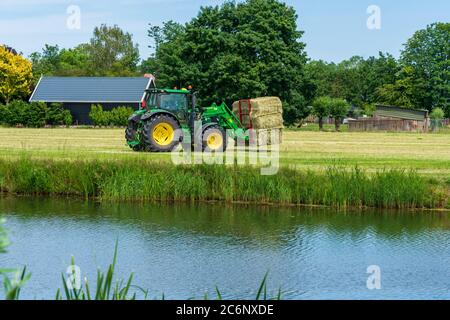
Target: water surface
184, 251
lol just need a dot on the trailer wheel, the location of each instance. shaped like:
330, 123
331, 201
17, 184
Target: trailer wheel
161, 133
214, 139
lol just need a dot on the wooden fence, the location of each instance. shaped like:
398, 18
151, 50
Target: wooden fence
372, 124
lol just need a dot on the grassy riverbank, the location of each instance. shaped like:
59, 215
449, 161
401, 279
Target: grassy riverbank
123, 180
427, 154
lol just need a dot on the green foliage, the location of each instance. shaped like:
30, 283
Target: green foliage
321, 109
238, 50
110, 52
116, 117
327, 106
355, 80
98, 116
107, 288
4, 242
437, 114
11, 287
427, 54
143, 181
119, 116
57, 115
338, 110
35, 114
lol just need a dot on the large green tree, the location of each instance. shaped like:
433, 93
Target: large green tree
427, 53
424, 79
111, 51
235, 51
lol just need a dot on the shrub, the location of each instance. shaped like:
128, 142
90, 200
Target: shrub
57, 115
119, 116
35, 114
116, 117
437, 114
98, 116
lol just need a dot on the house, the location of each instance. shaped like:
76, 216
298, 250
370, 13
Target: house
392, 118
78, 94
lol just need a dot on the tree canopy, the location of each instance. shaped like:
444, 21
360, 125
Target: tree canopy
110, 52
15, 75
235, 51
424, 79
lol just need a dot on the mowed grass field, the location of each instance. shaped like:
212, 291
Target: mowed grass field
428, 154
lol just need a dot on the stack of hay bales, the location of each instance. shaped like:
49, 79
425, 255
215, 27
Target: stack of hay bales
264, 115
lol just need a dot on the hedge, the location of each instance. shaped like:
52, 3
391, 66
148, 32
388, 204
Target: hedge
35, 114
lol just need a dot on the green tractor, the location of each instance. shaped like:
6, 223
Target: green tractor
167, 117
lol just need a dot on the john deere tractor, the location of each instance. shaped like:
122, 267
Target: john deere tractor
168, 116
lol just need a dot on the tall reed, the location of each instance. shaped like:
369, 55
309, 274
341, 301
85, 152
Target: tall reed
149, 181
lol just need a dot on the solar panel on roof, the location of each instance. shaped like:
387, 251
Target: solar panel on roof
90, 90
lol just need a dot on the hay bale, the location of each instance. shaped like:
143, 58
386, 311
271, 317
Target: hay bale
270, 121
259, 106
267, 137
260, 113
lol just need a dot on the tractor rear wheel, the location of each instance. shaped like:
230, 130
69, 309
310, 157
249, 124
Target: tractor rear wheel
161, 133
131, 134
214, 139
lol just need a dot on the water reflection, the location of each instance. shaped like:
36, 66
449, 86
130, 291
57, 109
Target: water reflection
185, 250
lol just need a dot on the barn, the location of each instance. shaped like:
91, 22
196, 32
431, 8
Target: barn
392, 118
78, 94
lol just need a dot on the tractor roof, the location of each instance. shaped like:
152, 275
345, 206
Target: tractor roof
183, 91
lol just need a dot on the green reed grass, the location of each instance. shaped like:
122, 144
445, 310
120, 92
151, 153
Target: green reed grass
143, 181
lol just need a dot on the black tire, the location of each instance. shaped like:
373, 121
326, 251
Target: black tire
151, 143
216, 131
130, 135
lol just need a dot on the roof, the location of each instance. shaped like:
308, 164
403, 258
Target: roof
91, 89
401, 113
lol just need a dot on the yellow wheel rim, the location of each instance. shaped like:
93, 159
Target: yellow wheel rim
214, 141
163, 134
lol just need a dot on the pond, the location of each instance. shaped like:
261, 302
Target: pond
184, 251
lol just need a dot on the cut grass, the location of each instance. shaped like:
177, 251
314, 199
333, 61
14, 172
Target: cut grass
428, 154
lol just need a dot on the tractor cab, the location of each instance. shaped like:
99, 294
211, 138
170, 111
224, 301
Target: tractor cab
171, 100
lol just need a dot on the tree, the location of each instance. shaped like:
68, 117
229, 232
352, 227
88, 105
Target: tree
15, 76
55, 62
238, 50
112, 52
427, 57
338, 110
355, 80
321, 109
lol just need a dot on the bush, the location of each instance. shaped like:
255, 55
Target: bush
57, 115
35, 114
116, 117
98, 116
437, 114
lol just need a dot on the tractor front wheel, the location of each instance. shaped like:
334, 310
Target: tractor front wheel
214, 139
161, 133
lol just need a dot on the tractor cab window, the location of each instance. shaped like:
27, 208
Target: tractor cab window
173, 102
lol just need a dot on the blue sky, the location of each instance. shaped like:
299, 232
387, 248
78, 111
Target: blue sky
334, 30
